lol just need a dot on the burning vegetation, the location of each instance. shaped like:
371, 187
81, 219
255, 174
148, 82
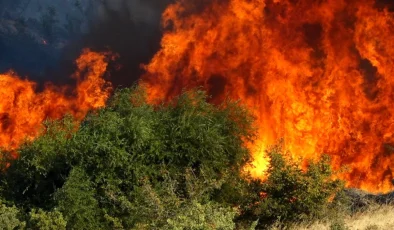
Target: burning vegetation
315, 74
23, 108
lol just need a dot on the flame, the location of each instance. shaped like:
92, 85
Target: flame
23, 108
317, 73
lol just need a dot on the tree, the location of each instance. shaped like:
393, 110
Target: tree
292, 194
124, 157
176, 165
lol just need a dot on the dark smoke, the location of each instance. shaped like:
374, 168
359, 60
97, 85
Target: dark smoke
385, 4
129, 28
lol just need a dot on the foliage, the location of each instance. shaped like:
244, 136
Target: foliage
76, 200
43, 220
162, 208
203, 216
134, 165
292, 194
116, 169
42, 167
10, 218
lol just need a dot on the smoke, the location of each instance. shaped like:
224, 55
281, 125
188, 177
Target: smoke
129, 28
385, 4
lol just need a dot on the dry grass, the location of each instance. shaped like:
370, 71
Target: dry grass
375, 218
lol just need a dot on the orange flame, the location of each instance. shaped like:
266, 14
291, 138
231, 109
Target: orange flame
23, 109
317, 73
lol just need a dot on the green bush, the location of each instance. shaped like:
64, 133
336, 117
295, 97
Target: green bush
133, 165
161, 207
76, 200
43, 220
196, 216
42, 167
291, 194
10, 218
113, 172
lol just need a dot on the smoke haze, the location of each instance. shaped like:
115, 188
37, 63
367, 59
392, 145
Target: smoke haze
130, 28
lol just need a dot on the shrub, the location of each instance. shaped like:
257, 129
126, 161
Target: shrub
162, 207
76, 200
42, 167
293, 194
197, 216
10, 218
114, 171
43, 220
133, 165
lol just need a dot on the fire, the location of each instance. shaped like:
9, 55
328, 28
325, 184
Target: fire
23, 108
317, 73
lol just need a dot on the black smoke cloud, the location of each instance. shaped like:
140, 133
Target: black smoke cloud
129, 28
385, 4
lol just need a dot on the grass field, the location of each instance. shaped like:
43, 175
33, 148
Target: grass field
376, 217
